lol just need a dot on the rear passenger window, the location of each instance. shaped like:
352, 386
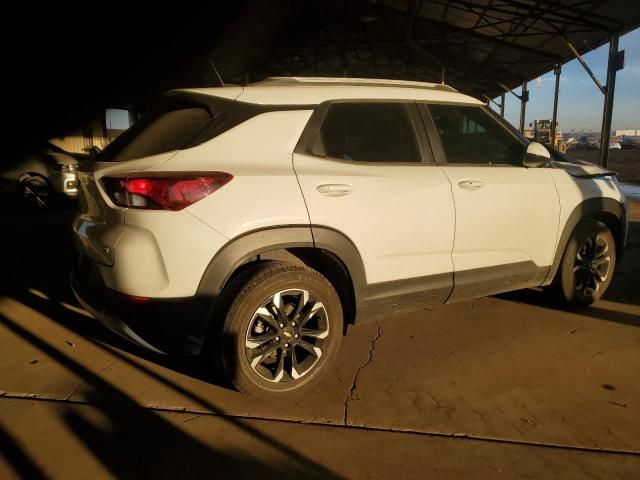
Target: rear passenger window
471, 135
369, 132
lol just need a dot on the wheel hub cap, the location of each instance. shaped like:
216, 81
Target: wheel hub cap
288, 333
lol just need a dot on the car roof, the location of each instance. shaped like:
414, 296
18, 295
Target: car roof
315, 90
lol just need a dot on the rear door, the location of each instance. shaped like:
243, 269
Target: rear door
506, 214
365, 172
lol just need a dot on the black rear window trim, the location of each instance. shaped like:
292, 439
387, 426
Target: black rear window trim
231, 112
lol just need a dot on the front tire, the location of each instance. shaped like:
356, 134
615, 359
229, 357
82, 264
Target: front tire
281, 331
587, 265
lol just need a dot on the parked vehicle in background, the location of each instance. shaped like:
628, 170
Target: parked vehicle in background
630, 143
38, 176
614, 145
293, 207
583, 143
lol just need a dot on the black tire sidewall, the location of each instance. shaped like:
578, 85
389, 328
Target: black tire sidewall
565, 279
271, 278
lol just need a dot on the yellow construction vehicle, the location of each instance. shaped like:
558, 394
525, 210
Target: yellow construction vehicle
542, 133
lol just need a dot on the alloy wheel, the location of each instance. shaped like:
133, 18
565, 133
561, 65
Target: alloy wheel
591, 266
286, 336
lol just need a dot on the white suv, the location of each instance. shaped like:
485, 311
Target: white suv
253, 224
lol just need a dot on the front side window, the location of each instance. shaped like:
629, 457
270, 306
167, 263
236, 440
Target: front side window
470, 135
369, 132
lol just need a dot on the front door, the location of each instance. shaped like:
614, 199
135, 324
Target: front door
506, 214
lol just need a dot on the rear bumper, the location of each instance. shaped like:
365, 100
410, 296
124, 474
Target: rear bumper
102, 314
176, 326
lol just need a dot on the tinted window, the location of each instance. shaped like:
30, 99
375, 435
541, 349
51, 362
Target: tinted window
158, 133
470, 135
370, 132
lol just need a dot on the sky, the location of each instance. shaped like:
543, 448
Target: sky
580, 103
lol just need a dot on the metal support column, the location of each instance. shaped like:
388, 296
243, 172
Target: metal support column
502, 104
554, 121
524, 96
612, 67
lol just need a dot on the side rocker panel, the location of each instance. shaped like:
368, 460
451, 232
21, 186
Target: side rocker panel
372, 301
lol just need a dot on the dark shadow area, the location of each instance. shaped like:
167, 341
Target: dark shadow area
38, 254
625, 287
140, 443
19, 460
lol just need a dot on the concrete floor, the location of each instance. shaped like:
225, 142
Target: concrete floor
501, 387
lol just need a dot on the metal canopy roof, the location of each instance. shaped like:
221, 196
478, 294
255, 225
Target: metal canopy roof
478, 43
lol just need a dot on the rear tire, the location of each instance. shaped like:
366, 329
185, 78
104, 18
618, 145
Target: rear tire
277, 330
587, 265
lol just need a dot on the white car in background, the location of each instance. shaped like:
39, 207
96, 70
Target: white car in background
253, 224
38, 176
630, 143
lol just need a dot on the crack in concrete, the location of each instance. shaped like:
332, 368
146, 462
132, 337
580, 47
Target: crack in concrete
192, 417
108, 365
435, 401
352, 388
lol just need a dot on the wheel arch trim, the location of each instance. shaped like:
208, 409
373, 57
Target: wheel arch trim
602, 209
254, 243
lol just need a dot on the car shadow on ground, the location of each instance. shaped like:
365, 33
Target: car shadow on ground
540, 299
623, 290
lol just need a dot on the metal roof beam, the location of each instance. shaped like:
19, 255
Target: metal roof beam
491, 39
574, 19
501, 21
466, 5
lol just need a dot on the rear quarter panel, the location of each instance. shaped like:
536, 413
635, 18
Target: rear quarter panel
264, 191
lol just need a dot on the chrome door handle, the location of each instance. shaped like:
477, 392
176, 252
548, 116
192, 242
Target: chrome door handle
334, 189
471, 184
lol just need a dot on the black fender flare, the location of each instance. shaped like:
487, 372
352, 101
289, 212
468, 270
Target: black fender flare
600, 208
262, 241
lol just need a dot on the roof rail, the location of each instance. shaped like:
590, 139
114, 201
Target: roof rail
343, 81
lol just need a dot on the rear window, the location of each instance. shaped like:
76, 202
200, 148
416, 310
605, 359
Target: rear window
160, 132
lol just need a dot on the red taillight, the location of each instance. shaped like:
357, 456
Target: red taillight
125, 297
169, 191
